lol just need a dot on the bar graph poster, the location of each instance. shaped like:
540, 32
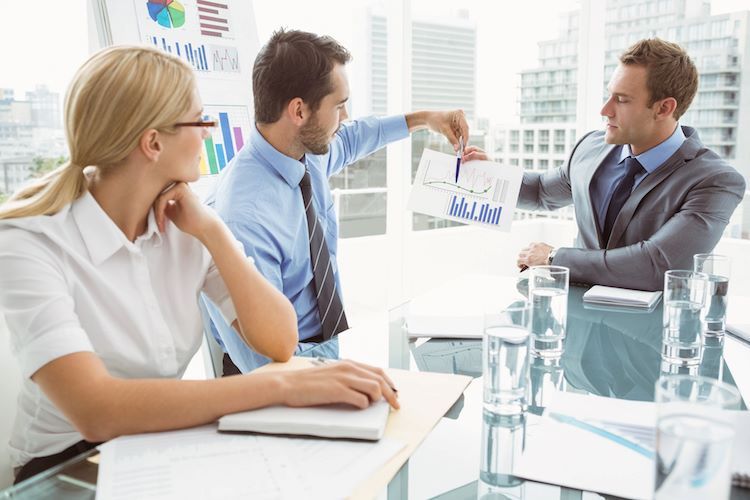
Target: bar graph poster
227, 139
485, 193
198, 31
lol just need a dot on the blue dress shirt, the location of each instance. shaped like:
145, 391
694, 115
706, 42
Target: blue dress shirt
613, 169
259, 198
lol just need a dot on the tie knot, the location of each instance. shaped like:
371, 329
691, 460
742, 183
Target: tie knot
305, 181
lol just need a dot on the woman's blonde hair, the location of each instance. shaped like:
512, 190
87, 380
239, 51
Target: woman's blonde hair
116, 95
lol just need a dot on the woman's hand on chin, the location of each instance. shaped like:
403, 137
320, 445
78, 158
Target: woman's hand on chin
179, 204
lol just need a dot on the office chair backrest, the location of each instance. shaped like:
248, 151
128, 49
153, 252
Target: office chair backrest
213, 354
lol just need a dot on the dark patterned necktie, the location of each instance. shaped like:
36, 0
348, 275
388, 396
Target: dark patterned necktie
621, 194
330, 307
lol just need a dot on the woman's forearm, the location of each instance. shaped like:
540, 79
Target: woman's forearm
103, 407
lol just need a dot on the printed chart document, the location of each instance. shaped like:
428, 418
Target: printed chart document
332, 421
485, 193
203, 463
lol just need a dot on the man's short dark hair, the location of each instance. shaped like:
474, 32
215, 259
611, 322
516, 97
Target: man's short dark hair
294, 64
671, 72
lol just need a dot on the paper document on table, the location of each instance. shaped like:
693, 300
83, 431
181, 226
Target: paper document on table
738, 321
485, 193
454, 309
595, 427
202, 463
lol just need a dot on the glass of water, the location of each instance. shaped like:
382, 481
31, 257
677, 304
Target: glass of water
718, 268
548, 295
694, 437
505, 359
684, 298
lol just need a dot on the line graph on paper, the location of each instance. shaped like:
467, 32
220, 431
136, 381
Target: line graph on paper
485, 193
473, 181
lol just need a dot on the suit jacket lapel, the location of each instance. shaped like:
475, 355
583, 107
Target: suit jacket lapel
687, 151
588, 175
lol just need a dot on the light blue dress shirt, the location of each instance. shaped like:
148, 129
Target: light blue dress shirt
613, 169
259, 198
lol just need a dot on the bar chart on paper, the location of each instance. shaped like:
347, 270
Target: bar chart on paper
226, 139
485, 193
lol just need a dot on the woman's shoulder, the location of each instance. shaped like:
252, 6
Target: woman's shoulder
26, 234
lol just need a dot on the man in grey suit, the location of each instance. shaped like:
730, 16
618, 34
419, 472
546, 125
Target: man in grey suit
648, 195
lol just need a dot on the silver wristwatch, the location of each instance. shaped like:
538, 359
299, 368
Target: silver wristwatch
551, 256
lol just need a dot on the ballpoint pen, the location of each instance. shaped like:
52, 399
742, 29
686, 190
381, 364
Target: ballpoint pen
459, 155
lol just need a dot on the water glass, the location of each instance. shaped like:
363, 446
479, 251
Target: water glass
694, 436
548, 294
505, 359
718, 269
684, 298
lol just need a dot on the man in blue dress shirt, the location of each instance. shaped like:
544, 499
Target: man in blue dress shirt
275, 195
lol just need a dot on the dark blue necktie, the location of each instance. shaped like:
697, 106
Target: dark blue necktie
330, 307
621, 194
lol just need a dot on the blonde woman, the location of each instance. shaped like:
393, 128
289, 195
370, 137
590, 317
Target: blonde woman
101, 265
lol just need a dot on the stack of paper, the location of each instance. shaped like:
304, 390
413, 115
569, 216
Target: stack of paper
332, 421
611, 296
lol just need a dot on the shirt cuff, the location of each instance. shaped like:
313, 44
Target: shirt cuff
50, 346
394, 128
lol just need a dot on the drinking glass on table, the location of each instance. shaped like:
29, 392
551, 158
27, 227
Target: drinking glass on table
548, 295
718, 268
505, 359
684, 298
694, 436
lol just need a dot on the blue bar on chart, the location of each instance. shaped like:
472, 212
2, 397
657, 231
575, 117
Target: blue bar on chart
220, 156
462, 209
226, 133
195, 56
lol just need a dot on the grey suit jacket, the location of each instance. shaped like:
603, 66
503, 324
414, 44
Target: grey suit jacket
677, 211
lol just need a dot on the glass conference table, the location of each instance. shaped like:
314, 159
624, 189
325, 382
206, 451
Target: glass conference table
608, 352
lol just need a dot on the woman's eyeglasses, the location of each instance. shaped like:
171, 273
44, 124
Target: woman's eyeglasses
205, 121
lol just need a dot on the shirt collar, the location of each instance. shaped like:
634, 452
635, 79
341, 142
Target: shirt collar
656, 156
100, 234
289, 169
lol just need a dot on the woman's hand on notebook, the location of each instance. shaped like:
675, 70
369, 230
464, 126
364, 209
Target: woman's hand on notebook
347, 382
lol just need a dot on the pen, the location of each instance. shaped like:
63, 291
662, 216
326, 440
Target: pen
523, 268
319, 361
459, 155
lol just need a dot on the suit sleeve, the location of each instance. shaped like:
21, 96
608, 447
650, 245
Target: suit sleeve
549, 190
695, 228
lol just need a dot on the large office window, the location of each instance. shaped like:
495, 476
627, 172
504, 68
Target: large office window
517, 80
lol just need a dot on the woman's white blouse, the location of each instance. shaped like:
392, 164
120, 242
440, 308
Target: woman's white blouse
73, 282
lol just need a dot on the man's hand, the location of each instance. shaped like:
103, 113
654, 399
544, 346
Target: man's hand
536, 254
451, 124
474, 153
